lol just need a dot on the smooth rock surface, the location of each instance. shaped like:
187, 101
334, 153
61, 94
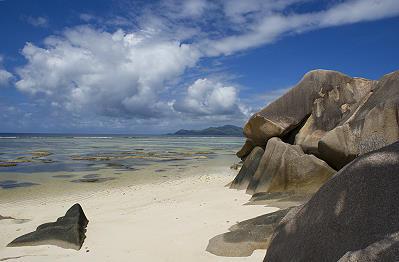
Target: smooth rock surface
286, 167
248, 169
287, 112
67, 232
357, 209
246, 236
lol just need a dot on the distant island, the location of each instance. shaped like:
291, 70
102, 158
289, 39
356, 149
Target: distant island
226, 130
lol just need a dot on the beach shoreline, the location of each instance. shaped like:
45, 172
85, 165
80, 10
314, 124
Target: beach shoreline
169, 220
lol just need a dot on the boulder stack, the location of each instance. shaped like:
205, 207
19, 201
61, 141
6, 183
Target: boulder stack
321, 124
323, 93
286, 167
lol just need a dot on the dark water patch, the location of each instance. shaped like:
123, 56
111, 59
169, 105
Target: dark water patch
47, 161
170, 159
133, 168
177, 165
115, 165
91, 176
93, 180
63, 176
160, 170
10, 184
38, 167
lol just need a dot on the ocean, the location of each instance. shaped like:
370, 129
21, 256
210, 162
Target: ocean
54, 162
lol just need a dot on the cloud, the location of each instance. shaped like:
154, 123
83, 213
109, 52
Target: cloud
39, 21
5, 76
267, 27
134, 67
114, 74
207, 97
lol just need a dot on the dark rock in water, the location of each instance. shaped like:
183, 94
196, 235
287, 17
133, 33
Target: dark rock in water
286, 167
9, 184
246, 236
67, 232
356, 211
248, 169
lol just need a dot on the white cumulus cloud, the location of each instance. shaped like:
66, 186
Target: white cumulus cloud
114, 73
208, 97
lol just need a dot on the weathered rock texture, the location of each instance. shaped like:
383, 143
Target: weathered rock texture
246, 236
328, 95
286, 167
373, 125
67, 232
356, 211
330, 109
248, 169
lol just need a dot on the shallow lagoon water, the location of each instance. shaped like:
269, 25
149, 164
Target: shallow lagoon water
49, 164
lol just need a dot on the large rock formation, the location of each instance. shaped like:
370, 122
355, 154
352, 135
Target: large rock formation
373, 125
67, 232
354, 215
330, 109
248, 169
329, 95
286, 167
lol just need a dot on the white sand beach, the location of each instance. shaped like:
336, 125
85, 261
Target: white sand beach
165, 221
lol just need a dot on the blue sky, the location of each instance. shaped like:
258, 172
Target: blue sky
157, 66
